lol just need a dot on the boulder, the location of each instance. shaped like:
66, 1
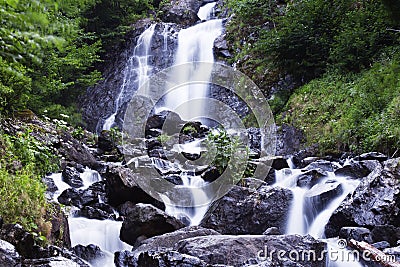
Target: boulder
54, 261
210, 174
23, 241
321, 164
272, 231
389, 233
372, 156
89, 253
320, 195
353, 170
9, 255
158, 120
174, 179
105, 141
99, 211
279, 163
356, 233
236, 250
374, 202
75, 151
80, 198
169, 240
245, 211
158, 259
395, 251
72, 177
289, 140
381, 245
221, 47
310, 178
146, 221
121, 187
182, 12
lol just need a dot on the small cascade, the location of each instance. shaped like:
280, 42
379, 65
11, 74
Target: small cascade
196, 212
195, 44
84, 231
308, 215
135, 74
206, 11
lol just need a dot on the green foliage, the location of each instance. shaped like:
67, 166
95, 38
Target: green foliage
187, 129
45, 57
163, 138
308, 37
23, 161
353, 112
227, 151
115, 136
110, 20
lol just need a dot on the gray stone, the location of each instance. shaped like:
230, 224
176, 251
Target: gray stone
144, 221
245, 211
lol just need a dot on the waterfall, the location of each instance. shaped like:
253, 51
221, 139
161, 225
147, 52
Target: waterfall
136, 72
195, 44
103, 233
306, 218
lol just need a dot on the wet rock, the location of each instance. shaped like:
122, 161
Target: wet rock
72, 177
299, 156
371, 165
59, 233
174, 178
99, 211
235, 250
353, 170
310, 178
121, 187
356, 233
158, 120
320, 195
105, 142
289, 140
75, 151
54, 261
395, 251
374, 202
279, 163
372, 156
51, 187
381, 245
158, 259
393, 166
221, 47
323, 165
245, 211
146, 221
80, 198
272, 231
90, 253
23, 241
210, 174
182, 12
389, 233
169, 240
9, 255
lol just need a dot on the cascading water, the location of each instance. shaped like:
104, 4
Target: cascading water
135, 74
195, 44
308, 216
103, 233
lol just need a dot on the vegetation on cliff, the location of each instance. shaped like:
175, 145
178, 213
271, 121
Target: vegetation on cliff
341, 60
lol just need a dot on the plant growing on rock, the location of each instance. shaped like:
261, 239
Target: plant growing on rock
225, 151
